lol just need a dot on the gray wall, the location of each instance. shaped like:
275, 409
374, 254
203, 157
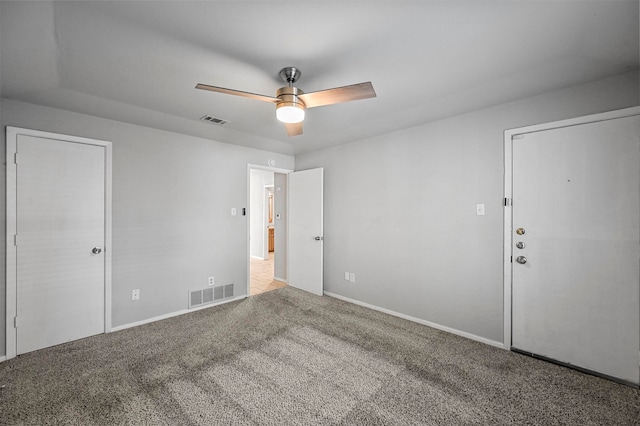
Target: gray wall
400, 209
172, 196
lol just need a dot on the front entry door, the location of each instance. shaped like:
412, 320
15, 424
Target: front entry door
576, 246
305, 230
60, 241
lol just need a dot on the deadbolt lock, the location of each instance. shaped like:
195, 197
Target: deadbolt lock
520, 231
520, 245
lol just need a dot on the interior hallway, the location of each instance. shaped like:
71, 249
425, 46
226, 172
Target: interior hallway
262, 276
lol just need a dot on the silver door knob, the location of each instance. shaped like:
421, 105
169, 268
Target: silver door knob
521, 260
520, 245
96, 250
319, 238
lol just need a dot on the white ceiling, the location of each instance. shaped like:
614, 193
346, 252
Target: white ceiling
138, 62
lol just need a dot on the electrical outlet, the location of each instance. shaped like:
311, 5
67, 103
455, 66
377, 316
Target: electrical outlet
352, 277
211, 281
346, 276
135, 294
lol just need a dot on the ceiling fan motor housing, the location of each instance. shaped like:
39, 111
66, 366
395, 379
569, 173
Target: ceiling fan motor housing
289, 108
289, 96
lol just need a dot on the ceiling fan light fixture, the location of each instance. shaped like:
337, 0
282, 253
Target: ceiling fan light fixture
289, 112
292, 102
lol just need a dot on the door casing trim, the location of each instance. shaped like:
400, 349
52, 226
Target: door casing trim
12, 134
508, 195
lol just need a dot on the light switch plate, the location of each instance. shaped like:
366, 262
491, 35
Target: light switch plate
479, 209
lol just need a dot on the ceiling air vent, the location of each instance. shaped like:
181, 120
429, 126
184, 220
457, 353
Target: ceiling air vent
214, 120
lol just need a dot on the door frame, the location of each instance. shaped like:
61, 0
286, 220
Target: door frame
12, 134
509, 136
248, 195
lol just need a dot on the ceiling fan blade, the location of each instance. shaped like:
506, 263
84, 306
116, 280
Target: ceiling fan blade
338, 95
293, 129
263, 98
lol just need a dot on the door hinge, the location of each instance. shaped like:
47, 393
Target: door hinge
511, 259
15, 240
15, 322
15, 158
508, 202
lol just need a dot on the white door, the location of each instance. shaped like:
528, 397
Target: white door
305, 230
60, 243
575, 284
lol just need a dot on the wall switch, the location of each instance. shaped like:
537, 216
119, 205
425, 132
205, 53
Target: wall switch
346, 276
211, 280
135, 294
352, 278
479, 209
233, 211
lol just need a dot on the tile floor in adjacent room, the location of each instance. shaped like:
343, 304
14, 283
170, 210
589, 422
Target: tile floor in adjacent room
262, 276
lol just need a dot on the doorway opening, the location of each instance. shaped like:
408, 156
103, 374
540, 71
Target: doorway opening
267, 230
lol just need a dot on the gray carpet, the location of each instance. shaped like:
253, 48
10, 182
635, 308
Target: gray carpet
290, 358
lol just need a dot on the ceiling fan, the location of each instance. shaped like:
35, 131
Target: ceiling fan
291, 102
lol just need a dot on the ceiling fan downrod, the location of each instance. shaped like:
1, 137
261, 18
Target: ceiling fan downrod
290, 75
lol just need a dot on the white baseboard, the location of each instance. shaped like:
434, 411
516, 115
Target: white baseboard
280, 279
173, 314
258, 257
419, 321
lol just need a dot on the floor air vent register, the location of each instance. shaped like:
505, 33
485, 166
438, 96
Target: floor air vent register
210, 295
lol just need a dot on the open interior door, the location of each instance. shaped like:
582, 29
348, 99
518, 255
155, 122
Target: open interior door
305, 230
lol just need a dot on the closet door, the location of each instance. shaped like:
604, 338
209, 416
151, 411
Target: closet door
58, 233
